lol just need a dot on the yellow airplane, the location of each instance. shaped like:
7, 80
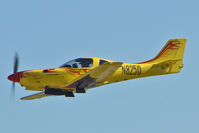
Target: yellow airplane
79, 75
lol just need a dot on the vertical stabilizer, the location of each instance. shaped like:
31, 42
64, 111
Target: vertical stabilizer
170, 58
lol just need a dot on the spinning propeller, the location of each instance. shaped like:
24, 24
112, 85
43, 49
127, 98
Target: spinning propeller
16, 62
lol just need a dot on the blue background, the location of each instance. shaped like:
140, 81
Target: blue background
48, 33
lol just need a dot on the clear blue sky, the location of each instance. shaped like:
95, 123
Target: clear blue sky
48, 33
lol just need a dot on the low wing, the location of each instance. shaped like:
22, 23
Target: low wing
35, 96
95, 76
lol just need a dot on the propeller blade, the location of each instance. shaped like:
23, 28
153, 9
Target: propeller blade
13, 84
13, 89
16, 63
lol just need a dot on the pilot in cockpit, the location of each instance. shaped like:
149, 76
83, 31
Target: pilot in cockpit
85, 63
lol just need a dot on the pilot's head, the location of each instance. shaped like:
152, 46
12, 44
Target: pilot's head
85, 63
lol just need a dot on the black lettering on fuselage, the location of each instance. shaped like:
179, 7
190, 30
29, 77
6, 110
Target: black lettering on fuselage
131, 69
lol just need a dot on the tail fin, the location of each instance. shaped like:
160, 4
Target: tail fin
170, 57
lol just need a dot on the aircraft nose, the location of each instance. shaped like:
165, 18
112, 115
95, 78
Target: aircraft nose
15, 77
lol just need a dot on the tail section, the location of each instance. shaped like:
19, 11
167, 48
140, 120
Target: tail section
170, 58
173, 50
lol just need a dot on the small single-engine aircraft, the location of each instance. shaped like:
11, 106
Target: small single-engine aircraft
81, 74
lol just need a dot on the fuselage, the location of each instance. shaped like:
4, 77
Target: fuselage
39, 79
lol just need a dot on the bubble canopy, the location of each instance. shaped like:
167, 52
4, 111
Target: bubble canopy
79, 63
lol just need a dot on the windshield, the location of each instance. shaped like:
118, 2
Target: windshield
79, 63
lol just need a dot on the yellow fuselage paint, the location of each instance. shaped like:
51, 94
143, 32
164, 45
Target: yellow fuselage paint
168, 61
59, 77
